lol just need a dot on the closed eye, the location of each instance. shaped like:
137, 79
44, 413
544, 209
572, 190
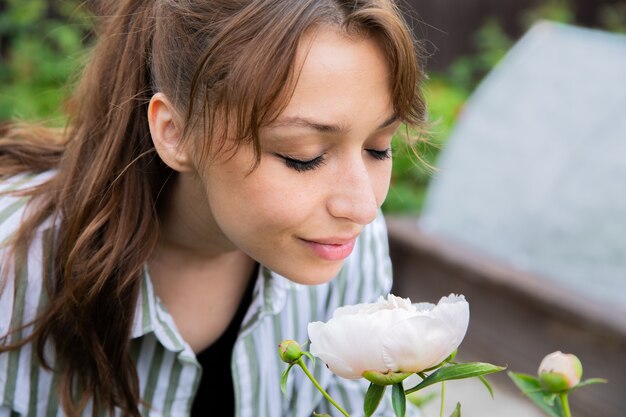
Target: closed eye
380, 154
303, 165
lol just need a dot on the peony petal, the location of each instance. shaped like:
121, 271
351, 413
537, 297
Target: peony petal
428, 338
418, 343
350, 309
454, 311
355, 339
339, 366
391, 303
394, 302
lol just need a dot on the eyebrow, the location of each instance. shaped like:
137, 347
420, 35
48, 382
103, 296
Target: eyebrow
325, 128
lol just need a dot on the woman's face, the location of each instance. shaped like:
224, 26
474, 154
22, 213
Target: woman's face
325, 165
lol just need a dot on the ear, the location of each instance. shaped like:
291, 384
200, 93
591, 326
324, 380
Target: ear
166, 133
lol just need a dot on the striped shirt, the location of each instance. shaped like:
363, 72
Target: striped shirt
167, 367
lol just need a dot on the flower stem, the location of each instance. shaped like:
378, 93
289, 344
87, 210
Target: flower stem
443, 398
319, 387
565, 405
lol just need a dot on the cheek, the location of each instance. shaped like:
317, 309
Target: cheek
267, 201
381, 179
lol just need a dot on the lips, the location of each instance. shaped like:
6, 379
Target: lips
331, 249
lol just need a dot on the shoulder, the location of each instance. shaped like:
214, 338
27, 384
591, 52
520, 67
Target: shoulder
22, 292
14, 201
20, 271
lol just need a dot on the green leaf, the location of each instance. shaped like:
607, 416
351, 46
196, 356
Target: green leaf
372, 398
321, 415
283, 379
398, 399
487, 385
549, 399
457, 411
590, 381
530, 386
310, 356
458, 371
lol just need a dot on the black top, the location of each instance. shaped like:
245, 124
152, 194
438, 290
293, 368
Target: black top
215, 391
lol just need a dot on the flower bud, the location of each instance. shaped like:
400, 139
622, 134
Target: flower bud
560, 372
289, 351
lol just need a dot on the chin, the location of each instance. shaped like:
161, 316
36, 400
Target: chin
315, 275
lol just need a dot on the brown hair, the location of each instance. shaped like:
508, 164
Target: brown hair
213, 59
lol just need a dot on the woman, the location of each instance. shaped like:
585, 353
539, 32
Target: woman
217, 188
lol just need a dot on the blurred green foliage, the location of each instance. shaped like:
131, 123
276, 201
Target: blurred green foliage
412, 167
43, 45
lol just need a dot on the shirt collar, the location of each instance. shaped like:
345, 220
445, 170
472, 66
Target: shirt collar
268, 297
273, 290
151, 316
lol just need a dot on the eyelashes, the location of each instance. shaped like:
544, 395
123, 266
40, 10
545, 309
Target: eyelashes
302, 166
311, 164
380, 155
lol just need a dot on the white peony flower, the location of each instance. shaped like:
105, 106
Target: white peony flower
391, 335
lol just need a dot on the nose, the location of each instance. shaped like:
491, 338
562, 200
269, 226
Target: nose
353, 194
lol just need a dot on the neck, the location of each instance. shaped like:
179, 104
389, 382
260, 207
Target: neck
202, 295
187, 226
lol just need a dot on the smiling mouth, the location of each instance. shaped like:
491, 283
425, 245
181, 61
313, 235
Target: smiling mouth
331, 249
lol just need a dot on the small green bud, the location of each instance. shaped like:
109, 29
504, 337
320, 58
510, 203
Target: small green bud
290, 351
560, 372
385, 378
